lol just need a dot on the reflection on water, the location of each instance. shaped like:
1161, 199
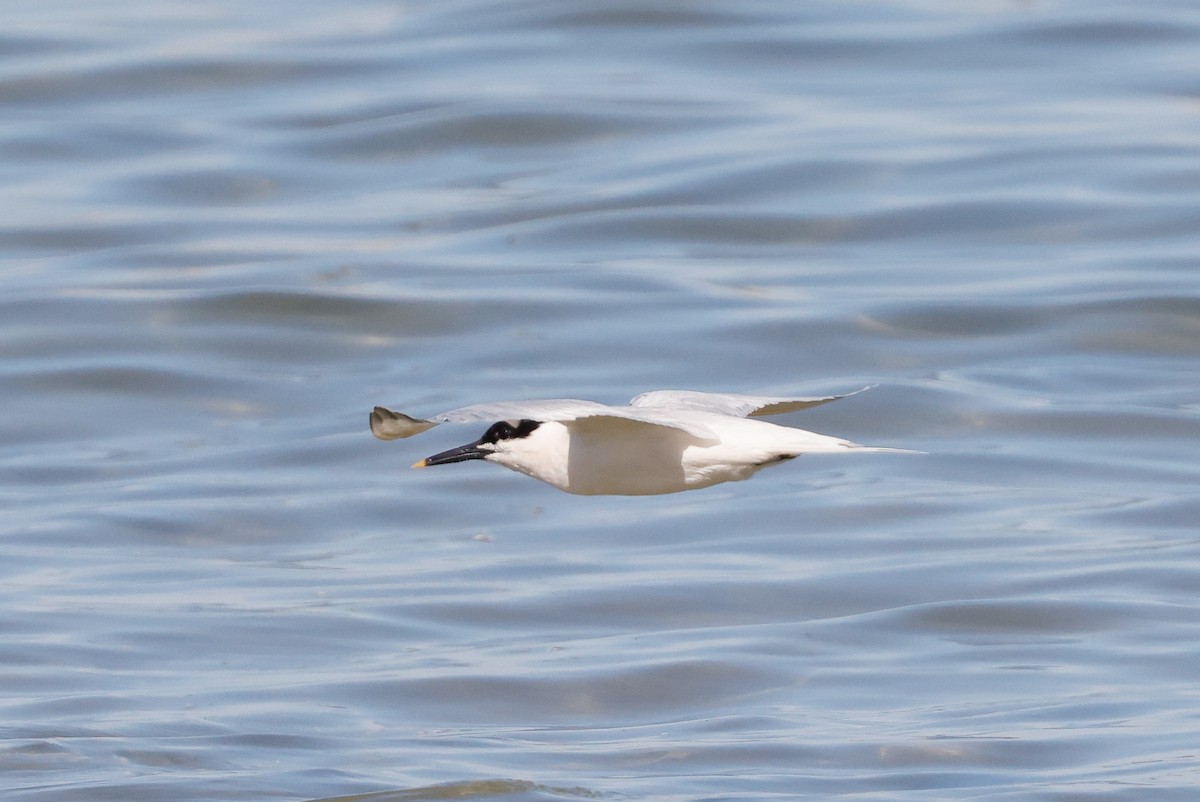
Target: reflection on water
477, 790
229, 233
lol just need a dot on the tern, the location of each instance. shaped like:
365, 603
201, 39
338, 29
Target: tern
664, 441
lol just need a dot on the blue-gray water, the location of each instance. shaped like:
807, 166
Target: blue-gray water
229, 229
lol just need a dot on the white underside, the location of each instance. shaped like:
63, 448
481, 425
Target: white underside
619, 456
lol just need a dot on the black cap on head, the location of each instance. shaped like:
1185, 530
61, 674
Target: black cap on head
509, 430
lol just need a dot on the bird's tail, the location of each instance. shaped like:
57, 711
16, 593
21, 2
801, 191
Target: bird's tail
857, 447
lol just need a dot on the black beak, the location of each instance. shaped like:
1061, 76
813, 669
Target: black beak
460, 454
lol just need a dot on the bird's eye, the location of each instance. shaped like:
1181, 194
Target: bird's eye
497, 432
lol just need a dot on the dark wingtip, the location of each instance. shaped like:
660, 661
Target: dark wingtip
388, 425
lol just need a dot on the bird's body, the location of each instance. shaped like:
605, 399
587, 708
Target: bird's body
663, 442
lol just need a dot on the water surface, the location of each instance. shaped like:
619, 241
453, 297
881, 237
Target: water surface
230, 230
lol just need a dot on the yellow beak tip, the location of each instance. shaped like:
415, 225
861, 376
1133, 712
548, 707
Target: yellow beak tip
420, 463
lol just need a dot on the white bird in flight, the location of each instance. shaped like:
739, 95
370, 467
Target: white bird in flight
664, 441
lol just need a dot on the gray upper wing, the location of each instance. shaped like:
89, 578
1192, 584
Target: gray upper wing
389, 425
566, 410
561, 409
739, 406
658, 407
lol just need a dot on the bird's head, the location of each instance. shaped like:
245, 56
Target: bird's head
508, 443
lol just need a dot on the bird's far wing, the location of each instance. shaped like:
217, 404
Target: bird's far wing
560, 409
566, 410
740, 406
670, 418
643, 421
389, 425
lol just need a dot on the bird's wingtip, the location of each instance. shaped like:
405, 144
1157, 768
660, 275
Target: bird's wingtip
389, 425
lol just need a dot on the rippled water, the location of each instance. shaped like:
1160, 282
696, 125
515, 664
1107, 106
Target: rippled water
230, 229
